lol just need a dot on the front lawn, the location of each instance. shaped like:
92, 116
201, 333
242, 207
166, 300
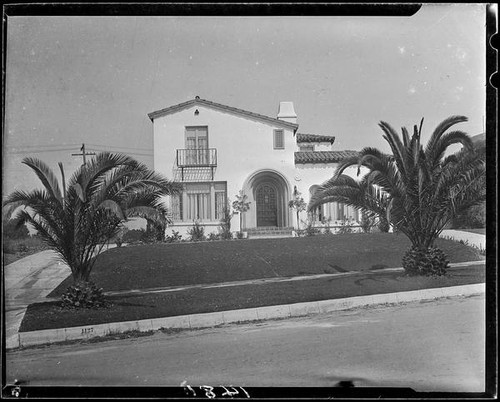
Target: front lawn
162, 265
198, 300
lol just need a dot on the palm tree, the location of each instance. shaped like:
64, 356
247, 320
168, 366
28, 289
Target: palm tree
77, 221
419, 190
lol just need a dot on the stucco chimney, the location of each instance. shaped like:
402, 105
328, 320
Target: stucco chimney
286, 112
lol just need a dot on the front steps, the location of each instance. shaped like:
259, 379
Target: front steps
266, 232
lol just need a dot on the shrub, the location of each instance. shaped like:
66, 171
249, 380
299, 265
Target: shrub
155, 232
22, 248
197, 232
212, 236
83, 295
176, 237
120, 235
383, 224
225, 222
472, 218
366, 223
8, 248
345, 227
311, 230
133, 236
13, 232
428, 262
148, 236
326, 222
239, 235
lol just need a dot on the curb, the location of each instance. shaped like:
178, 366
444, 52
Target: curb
233, 316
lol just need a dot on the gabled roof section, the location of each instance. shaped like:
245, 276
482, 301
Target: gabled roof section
203, 102
302, 138
306, 157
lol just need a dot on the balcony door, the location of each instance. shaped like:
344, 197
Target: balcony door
197, 145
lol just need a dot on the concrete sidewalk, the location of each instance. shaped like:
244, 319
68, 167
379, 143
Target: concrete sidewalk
472, 239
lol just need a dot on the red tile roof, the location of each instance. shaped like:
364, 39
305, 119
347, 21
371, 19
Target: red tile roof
322, 156
301, 138
204, 102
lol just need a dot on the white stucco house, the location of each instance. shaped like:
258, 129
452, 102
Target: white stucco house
216, 151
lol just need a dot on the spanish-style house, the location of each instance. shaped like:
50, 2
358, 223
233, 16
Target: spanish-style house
216, 151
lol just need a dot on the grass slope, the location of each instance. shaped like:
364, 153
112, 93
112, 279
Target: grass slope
161, 265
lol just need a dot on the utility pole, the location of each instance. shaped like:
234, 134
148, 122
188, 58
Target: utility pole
84, 154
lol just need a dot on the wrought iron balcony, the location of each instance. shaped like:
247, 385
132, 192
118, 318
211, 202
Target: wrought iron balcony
197, 157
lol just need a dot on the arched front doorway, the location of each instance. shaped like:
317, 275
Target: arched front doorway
268, 193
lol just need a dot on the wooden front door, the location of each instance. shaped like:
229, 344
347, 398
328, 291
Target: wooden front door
267, 206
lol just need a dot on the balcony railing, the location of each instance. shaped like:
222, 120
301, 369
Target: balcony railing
197, 157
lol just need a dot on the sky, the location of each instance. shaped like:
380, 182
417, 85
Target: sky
93, 80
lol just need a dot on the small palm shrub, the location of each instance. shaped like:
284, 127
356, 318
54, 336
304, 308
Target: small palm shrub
427, 262
83, 295
197, 232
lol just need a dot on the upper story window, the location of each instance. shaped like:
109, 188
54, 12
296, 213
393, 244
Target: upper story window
306, 148
197, 137
279, 139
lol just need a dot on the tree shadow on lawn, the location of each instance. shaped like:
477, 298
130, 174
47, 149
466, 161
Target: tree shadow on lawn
401, 277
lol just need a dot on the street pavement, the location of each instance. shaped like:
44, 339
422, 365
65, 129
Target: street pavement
31, 279
435, 346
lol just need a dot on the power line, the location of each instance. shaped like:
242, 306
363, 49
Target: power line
123, 152
114, 147
31, 151
47, 145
